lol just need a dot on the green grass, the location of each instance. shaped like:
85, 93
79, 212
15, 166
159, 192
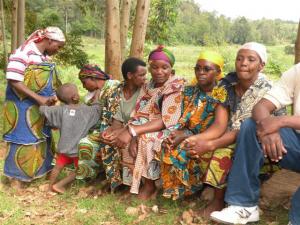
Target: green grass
110, 209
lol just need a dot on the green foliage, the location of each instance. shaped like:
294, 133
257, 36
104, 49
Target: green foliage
289, 50
273, 67
194, 26
72, 53
2, 61
163, 14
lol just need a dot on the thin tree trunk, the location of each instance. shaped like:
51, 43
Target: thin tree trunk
14, 26
112, 39
297, 46
124, 25
3, 32
66, 19
140, 26
21, 22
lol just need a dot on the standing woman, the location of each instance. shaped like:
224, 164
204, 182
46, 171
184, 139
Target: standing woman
158, 107
32, 81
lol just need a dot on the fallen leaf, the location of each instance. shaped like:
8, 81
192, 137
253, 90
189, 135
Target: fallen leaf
82, 210
155, 209
132, 211
44, 187
187, 217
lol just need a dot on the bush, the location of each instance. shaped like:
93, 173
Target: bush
273, 68
72, 53
289, 50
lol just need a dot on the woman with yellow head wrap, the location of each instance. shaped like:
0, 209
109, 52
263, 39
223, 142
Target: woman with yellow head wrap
216, 59
183, 169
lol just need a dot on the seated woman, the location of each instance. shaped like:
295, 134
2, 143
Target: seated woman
244, 88
106, 92
205, 116
158, 107
134, 73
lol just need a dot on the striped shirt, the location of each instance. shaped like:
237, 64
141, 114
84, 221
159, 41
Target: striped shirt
21, 58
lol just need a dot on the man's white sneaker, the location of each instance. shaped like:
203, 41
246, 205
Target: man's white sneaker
236, 215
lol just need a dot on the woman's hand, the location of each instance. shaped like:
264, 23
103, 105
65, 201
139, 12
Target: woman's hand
41, 100
123, 139
196, 147
133, 148
173, 140
109, 136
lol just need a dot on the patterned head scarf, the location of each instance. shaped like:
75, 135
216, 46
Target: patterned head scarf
214, 58
53, 33
258, 48
90, 70
161, 53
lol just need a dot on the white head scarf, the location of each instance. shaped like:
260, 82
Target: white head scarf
53, 33
260, 49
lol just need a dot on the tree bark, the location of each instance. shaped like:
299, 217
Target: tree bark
112, 39
14, 26
124, 25
21, 22
297, 46
139, 30
3, 32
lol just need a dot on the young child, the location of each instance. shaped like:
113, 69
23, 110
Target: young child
73, 121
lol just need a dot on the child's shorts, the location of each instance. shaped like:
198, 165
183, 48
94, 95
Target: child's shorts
63, 160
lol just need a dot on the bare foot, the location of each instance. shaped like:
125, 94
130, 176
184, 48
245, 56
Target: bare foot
58, 189
214, 205
17, 184
148, 190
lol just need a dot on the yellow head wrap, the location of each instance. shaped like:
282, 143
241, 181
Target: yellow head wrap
212, 57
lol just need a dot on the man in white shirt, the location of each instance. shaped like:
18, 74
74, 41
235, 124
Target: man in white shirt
277, 138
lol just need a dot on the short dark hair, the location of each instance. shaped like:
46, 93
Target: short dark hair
63, 92
130, 65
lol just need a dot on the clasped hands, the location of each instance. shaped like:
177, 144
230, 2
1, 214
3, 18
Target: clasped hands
269, 137
119, 138
193, 144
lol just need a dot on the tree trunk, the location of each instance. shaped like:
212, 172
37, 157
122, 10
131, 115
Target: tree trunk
124, 25
140, 26
21, 22
3, 32
14, 26
297, 46
66, 20
112, 39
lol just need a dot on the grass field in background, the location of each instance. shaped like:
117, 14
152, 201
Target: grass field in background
34, 206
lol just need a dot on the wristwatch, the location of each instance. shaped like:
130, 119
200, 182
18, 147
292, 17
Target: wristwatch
132, 131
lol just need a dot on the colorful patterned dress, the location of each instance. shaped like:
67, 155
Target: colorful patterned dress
165, 103
29, 143
181, 175
92, 153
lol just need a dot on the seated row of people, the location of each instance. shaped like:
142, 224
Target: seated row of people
140, 132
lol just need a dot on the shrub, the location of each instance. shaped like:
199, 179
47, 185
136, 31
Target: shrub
72, 53
289, 50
